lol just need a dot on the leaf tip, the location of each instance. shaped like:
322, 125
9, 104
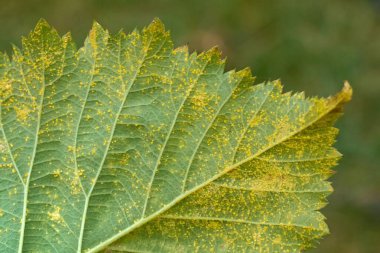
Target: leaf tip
277, 85
42, 23
342, 97
245, 73
96, 26
184, 49
43, 27
67, 37
157, 26
212, 55
346, 92
157, 20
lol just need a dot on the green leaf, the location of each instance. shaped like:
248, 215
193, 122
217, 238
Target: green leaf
128, 144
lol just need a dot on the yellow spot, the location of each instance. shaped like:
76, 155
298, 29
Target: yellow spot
5, 88
71, 148
22, 113
26, 175
56, 173
214, 225
56, 215
80, 172
75, 185
277, 240
256, 120
200, 100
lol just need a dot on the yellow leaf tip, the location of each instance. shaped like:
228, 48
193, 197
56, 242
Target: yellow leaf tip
212, 55
157, 20
96, 26
342, 96
278, 84
42, 23
41, 27
346, 92
67, 37
184, 49
245, 73
156, 26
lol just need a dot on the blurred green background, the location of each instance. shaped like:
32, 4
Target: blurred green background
312, 45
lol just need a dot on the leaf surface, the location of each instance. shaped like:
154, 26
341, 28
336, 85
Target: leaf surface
129, 144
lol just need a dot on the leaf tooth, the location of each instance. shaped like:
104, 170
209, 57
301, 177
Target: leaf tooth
245, 75
98, 37
42, 23
346, 92
213, 55
43, 29
184, 49
156, 26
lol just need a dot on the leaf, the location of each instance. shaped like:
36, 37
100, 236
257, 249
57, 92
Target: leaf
128, 144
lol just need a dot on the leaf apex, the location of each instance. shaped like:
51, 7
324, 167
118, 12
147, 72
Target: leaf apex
157, 20
277, 84
156, 26
67, 37
213, 55
346, 92
342, 97
42, 23
96, 25
245, 73
184, 49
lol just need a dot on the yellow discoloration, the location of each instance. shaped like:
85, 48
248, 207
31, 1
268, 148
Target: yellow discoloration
75, 185
55, 215
257, 120
130, 126
57, 173
93, 37
22, 113
5, 88
80, 172
200, 100
71, 148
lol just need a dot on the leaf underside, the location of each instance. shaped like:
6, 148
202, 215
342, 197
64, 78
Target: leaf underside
130, 145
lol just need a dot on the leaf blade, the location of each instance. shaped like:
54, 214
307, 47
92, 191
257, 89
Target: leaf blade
129, 131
